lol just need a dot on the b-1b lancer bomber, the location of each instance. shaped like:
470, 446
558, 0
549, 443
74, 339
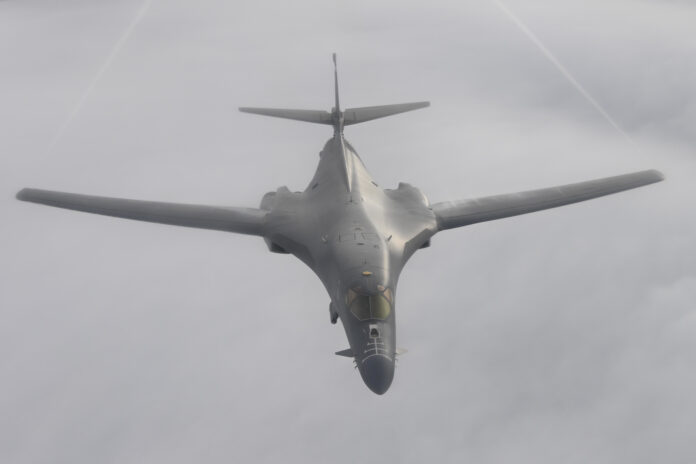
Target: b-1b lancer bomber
354, 235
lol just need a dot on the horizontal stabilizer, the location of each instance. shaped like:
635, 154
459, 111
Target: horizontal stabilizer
348, 353
316, 116
368, 113
337, 118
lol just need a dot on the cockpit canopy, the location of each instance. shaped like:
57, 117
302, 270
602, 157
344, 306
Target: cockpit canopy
374, 306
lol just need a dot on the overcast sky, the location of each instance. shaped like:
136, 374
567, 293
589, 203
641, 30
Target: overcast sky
562, 336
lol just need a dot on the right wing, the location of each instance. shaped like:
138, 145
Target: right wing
229, 219
460, 213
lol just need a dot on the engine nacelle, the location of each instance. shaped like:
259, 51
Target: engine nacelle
409, 193
275, 248
268, 201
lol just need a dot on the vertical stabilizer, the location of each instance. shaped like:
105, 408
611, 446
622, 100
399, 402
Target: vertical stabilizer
337, 115
337, 109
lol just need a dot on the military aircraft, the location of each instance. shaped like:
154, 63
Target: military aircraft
354, 235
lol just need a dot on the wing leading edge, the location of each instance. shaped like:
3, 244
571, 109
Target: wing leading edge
241, 220
460, 213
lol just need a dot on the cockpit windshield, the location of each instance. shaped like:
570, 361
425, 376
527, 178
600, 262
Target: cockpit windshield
364, 307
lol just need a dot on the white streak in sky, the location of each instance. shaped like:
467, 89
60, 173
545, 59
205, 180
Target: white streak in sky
562, 69
85, 95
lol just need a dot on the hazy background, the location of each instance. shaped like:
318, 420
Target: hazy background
567, 336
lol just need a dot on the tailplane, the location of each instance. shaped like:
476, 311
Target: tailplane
316, 116
336, 117
368, 113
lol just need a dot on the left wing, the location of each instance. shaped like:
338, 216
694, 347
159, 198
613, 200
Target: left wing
460, 213
241, 220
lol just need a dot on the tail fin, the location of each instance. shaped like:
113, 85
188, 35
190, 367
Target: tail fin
337, 109
337, 118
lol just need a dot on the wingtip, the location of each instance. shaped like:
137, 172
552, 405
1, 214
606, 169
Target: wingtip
658, 175
651, 176
23, 194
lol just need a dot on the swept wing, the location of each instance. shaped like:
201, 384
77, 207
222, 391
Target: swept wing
240, 220
460, 213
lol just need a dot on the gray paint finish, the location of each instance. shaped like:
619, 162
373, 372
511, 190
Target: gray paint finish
353, 234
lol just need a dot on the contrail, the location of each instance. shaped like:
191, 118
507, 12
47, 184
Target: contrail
109, 59
562, 69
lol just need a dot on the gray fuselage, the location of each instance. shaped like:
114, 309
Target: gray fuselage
356, 237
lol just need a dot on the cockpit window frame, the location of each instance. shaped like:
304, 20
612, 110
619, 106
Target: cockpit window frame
365, 307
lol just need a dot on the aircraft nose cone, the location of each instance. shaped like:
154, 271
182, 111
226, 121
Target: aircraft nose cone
377, 372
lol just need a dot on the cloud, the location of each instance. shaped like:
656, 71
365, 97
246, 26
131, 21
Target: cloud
561, 336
